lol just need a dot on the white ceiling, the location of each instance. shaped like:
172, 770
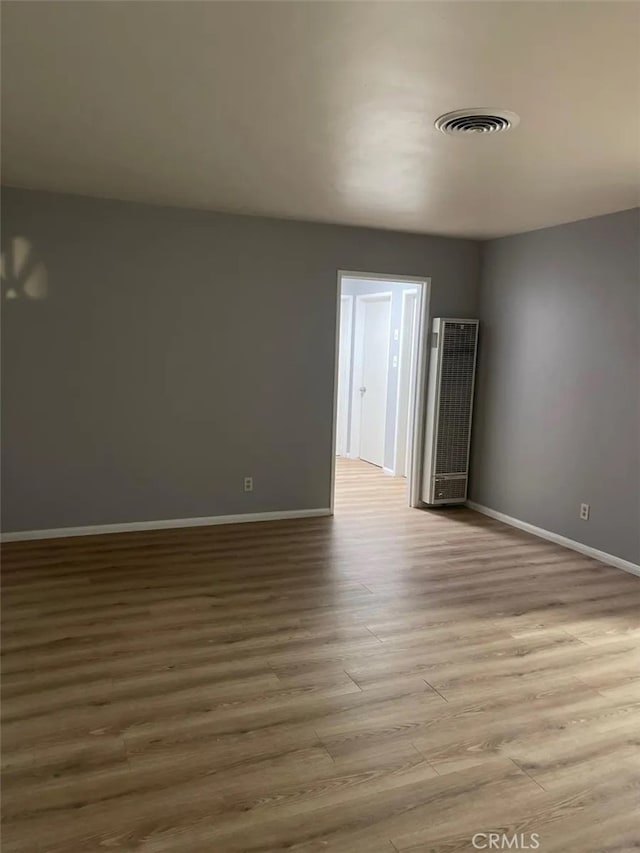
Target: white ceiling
324, 111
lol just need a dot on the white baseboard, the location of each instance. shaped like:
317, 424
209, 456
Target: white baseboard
389, 471
602, 556
136, 526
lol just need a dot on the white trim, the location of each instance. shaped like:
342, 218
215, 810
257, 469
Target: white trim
389, 471
358, 367
602, 556
415, 450
336, 370
406, 382
374, 276
164, 524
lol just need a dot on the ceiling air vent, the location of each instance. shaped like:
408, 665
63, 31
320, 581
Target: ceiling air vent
476, 120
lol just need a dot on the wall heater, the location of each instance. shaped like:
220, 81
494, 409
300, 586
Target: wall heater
452, 369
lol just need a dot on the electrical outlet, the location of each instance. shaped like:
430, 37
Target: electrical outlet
585, 509
248, 484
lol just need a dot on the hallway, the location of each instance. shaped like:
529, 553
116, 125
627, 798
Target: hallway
361, 486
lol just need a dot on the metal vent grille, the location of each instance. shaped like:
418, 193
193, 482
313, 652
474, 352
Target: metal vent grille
454, 488
456, 397
476, 120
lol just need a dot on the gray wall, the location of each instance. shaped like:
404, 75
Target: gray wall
176, 351
358, 287
557, 407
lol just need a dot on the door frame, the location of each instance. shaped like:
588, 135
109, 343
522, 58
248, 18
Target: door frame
346, 310
358, 366
417, 413
406, 381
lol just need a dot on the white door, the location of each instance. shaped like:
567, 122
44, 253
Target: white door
344, 374
376, 319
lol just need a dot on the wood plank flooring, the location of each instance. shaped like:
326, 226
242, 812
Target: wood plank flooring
384, 680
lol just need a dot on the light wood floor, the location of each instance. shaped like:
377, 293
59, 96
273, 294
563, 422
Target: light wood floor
386, 680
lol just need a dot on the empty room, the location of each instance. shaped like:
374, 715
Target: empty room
320, 426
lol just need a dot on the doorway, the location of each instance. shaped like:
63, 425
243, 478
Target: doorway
371, 377
380, 374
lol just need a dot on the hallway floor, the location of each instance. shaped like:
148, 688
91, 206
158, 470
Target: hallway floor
360, 484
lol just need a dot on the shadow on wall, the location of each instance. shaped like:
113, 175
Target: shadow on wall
22, 274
